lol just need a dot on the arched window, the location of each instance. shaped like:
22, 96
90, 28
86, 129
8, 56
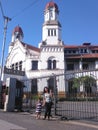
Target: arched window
49, 64
54, 64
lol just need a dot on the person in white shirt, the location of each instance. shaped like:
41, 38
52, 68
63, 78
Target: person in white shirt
47, 103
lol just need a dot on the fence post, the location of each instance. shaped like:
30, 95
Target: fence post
30, 97
54, 77
0, 94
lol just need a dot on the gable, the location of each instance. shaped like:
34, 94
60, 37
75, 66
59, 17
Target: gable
16, 54
20, 51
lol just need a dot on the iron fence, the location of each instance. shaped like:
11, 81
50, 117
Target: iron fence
73, 100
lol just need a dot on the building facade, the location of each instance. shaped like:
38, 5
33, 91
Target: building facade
51, 59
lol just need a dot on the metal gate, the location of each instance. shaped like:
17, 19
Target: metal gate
80, 100
75, 94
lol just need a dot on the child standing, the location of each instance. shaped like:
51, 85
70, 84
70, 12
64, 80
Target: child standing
38, 108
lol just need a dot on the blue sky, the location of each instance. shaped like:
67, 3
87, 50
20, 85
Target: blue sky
79, 20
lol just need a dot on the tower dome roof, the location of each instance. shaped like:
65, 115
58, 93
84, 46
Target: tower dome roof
17, 29
51, 4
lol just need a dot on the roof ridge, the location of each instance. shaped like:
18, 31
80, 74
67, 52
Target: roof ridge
31, 47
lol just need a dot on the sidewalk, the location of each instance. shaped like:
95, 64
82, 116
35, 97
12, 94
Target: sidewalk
27, 121
4, 125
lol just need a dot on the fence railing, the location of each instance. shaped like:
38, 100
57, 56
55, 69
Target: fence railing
80, 102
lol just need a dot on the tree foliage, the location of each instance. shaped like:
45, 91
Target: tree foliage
86, 81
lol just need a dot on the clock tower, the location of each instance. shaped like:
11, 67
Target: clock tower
17, 34
51, 30
51, 48
51, 12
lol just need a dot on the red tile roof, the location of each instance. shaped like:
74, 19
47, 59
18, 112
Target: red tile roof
17, 29
31, 47
70, 47
51, 4
92, 47
83, 56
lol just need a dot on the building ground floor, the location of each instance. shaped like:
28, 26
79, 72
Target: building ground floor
64, 84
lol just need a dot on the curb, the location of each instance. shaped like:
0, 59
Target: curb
87, 124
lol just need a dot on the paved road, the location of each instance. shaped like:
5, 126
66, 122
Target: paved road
27, 121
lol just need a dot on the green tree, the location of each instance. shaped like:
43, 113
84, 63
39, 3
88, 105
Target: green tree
87, 81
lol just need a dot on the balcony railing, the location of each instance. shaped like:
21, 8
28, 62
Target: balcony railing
14, 72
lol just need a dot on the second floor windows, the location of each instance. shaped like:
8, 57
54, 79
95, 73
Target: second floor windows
20, 65
85, 66
34, 65
51, 64
17, 66
70, 66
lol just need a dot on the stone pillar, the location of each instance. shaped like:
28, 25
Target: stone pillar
10, 94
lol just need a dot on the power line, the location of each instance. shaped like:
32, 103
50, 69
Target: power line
2, 10
6, 20
25, 9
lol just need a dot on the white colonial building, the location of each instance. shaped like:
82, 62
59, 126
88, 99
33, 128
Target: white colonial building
52, 58
45, 61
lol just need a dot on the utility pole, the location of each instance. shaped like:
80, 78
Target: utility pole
6, 20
